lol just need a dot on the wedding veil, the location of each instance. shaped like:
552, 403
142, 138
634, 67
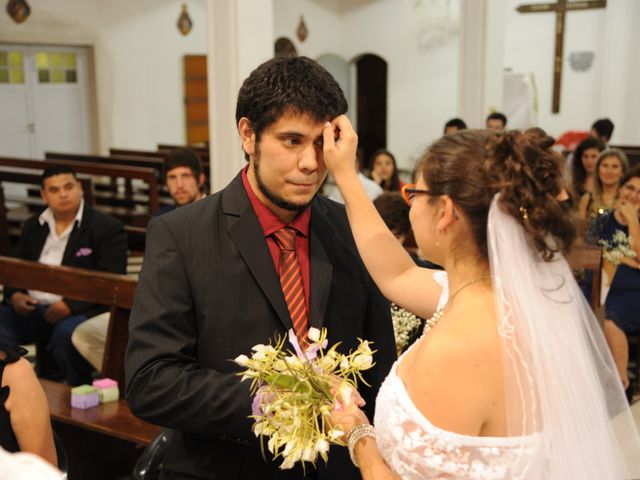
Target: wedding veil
561, 384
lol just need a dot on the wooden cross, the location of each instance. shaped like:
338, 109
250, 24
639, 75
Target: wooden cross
560, 7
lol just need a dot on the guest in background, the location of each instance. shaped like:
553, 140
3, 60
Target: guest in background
184, 177
496, 121
372, 188
623, 299
454, 125
70, 233
602, 129
611, 166
583, 166
384, 170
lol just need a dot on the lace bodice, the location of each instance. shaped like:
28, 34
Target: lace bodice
416, 450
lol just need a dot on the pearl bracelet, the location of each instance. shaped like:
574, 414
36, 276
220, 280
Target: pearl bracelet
356, 434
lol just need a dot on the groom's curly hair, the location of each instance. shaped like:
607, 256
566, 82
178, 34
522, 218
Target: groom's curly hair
295, 84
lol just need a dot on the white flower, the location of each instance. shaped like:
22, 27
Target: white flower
335, 434
293, 362
309, 454
322, 446
242, 360
362, 362
291, 444
344, 364
344, 393
314, 334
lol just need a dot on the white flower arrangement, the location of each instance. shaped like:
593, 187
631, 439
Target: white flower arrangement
618, 247
405, 324
294, 394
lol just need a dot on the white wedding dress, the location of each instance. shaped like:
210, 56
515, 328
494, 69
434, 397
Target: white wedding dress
415, 449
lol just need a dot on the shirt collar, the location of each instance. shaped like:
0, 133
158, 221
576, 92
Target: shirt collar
47, 215
269, 222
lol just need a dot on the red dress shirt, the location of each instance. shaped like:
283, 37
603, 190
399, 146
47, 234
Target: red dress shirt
270, 223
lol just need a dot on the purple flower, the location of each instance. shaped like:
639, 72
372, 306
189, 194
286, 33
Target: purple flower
256, 405
261, 397
311, 353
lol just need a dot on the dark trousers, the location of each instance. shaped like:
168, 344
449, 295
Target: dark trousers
16, 330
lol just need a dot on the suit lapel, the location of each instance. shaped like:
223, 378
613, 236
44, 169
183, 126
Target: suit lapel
72, 244
321, 267
247, 235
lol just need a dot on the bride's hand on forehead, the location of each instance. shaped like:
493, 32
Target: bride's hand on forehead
340, 142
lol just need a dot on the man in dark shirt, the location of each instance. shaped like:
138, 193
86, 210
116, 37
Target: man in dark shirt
213, 290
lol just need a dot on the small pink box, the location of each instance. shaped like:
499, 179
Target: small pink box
105, 383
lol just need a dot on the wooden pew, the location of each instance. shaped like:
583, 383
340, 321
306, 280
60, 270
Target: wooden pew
585, 257
160, 154
124, 160
138, 216
103, 442
115, 291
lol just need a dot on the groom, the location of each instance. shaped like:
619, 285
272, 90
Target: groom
210, 287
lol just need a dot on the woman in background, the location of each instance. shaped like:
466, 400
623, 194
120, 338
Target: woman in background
584, 166
384, 171
611, 166
622, 306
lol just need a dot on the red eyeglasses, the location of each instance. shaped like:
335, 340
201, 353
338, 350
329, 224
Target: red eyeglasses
409, 192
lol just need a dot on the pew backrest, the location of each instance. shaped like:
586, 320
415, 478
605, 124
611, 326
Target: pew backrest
115, 291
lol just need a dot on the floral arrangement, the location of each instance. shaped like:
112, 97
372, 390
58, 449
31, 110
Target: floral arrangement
294, 393
618, 247
405, 324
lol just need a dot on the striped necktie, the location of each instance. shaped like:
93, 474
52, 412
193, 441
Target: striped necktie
291, 281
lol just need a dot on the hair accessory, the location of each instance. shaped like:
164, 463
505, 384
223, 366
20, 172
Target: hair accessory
356, 434
524, 213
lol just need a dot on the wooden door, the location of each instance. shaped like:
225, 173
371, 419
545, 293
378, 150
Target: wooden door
196, 99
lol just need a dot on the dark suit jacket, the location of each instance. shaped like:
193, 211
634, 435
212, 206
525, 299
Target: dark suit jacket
99, 243
208, 292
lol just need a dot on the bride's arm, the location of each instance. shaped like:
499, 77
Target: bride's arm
372, 465
388, 263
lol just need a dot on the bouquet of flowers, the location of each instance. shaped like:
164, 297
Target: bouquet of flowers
617, 248
405, 325
294, 393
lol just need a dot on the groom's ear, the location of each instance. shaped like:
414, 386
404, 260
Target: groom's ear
247, 136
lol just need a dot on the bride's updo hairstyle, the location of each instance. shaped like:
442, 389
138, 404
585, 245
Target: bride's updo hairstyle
471, 166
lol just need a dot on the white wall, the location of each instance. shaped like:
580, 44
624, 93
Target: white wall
420, 48
138, 60
607, 89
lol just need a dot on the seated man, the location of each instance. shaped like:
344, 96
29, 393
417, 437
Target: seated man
71, 233
184, 178
183, 175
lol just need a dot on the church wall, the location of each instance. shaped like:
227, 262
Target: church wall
137, 53
601, 91
421, 52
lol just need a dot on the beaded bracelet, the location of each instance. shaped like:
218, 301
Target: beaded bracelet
356, 434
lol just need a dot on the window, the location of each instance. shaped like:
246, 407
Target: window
11, 67
56, 67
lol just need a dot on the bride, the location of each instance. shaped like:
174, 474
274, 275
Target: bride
512, 377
